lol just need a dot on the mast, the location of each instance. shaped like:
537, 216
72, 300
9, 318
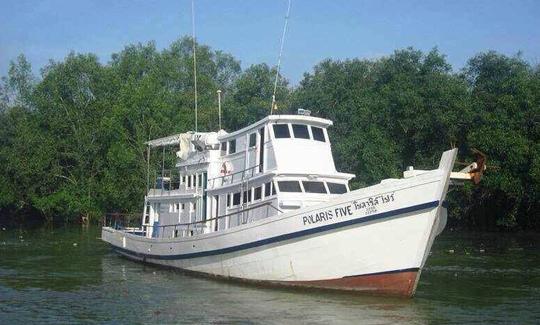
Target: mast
219, 108
274, 106
194, 59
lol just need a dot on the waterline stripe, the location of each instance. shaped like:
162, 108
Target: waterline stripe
284, 237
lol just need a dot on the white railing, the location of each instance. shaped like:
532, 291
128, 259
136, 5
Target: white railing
237, 177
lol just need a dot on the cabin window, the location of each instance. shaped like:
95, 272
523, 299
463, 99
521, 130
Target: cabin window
228, 200
300, 131
267, 189
289, 186
318, 134
281, 131
337, 188
223, 148
273, 188
199, 180
189, 181
247, 196
236, 198
252, 140
232, 146
183, 206
257, 193
177, 207
314, 187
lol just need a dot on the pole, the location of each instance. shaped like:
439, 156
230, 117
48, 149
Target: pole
194, 59
147, 169
273, 107
219, 107
162, 166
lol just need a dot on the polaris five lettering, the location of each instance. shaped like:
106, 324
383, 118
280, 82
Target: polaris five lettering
327, 215
365, 207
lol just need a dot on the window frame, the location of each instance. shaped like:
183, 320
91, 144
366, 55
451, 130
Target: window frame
224, 148
252, 136
268, 189
279, 183
234, 196
325, 190
328, 184
306, 136
258, 190
286, 125
322, 133
231, 146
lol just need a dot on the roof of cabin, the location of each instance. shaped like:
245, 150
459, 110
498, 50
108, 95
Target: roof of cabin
317, 121
223, 135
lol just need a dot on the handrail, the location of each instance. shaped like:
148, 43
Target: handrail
193, 225
223, 216
231, 176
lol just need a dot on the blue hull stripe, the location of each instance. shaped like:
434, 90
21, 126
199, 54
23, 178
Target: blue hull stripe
288, 236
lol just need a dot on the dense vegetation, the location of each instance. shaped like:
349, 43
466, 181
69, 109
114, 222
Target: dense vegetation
72, 140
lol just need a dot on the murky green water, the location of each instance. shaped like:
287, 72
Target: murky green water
67, 275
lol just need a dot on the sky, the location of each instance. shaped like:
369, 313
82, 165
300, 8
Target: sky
251, 30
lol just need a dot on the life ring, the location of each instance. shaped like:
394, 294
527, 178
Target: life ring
226, 168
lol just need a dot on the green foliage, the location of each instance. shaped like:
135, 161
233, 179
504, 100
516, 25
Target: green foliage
407, 108
250, 98
72, 142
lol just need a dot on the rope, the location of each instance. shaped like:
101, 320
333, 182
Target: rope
274, 106
194, 58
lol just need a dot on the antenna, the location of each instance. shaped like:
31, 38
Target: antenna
219, 106
274, 106
194, 59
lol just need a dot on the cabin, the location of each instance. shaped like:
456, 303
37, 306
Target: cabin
223, 180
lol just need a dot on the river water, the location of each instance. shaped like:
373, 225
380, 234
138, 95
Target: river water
68, 276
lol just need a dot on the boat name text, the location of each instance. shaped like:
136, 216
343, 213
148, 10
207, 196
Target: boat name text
369, 206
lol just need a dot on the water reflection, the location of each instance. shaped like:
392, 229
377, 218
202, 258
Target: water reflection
67, 275
167, 296
60, 259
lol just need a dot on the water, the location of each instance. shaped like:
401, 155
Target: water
68, 276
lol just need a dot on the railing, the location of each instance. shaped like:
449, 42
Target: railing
172, 186
187, 229
197, 227
169, 187
232, 178
125, 221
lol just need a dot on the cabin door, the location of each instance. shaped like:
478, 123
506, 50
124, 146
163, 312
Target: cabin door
261, 150
155, 220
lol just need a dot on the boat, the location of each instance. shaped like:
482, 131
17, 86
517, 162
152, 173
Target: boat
265, 204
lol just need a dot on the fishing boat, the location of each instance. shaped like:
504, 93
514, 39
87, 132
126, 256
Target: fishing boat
266, 204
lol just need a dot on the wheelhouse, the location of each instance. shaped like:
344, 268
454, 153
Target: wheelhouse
223, 180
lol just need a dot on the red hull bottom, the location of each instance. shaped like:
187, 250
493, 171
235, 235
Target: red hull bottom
401, 283
394, 283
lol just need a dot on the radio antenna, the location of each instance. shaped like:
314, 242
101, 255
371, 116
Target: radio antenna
194, 58
274, 106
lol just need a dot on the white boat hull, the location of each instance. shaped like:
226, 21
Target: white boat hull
374, 239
